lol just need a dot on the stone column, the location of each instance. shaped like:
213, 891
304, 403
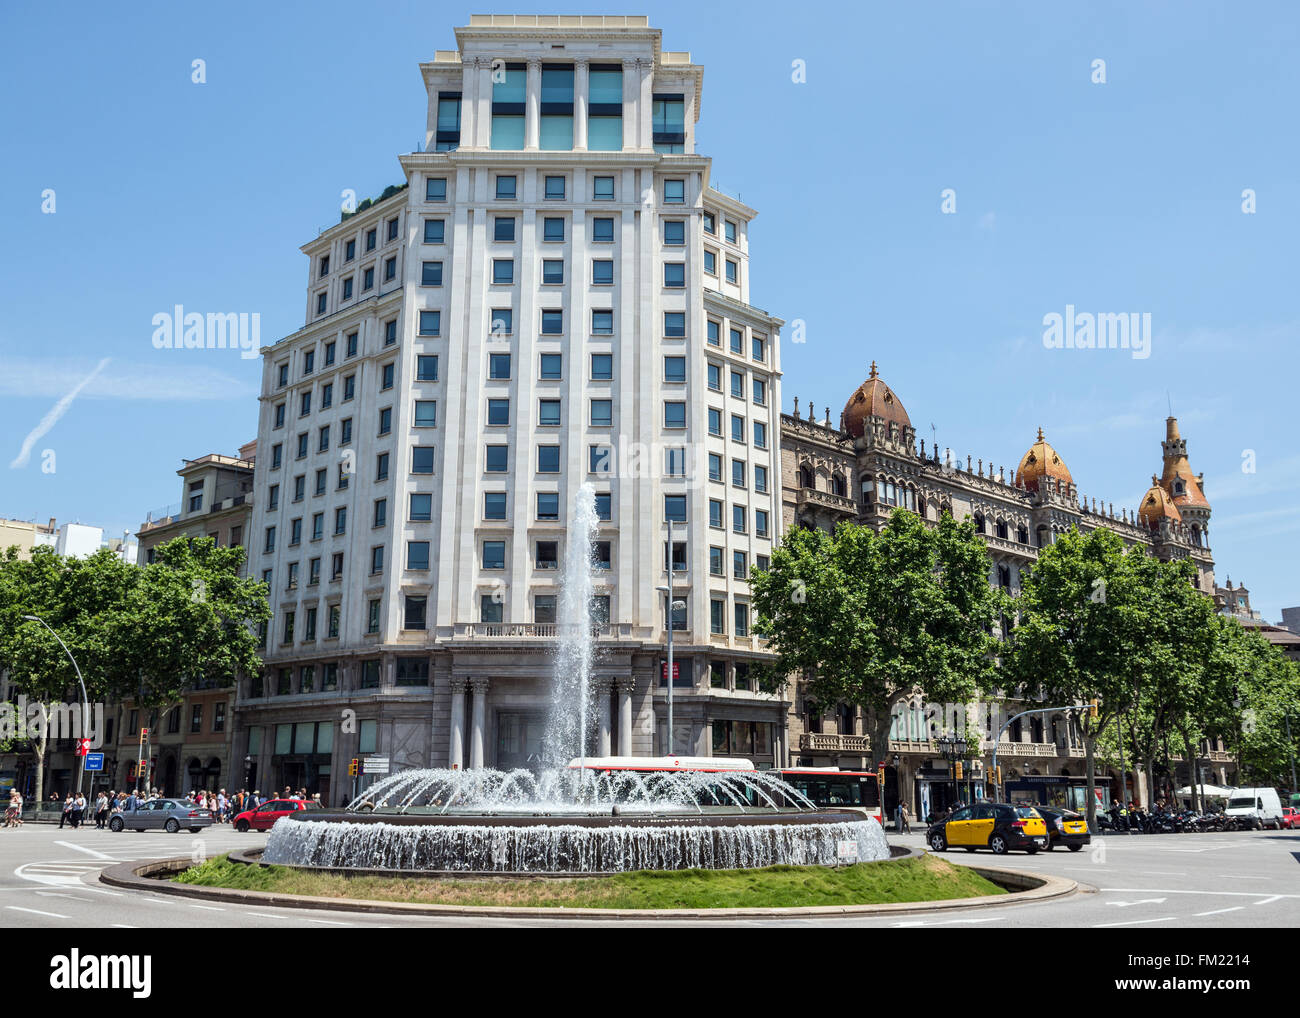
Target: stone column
456, 743
478, 733
581, 87
533, 106
604, 687
625, 688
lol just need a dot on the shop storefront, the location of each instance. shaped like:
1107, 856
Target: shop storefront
1057, 790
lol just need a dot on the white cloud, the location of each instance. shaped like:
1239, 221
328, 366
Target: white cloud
193, 379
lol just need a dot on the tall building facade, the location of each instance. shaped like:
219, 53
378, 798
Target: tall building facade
554, 296
871, 462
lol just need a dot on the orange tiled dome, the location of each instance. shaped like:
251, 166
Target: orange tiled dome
1178, 480
1041, 461
1157, 505
873, 399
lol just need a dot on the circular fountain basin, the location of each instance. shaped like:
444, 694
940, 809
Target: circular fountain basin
573, 842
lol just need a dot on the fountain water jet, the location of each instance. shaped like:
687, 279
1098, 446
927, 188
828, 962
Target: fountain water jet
594, 815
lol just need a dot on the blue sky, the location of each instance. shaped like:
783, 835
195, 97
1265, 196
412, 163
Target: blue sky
1117, 197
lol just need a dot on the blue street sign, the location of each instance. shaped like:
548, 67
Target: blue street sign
94, 761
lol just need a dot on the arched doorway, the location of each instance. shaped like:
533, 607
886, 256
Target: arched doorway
168, 783
193, 776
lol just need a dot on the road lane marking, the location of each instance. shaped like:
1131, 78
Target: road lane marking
83, 848
1134, 922
1142, 901
123, 926
1165, 890
210, 908
265, 915
37, 911
328, 922
1220, 911
1269, 901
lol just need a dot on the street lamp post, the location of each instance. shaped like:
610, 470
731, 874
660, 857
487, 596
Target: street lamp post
953, 748
85, 699
672, 606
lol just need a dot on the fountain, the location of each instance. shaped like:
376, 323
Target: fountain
591, 815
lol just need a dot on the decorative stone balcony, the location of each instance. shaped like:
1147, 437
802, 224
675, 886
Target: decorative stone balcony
831, 743
825, 500
526, 631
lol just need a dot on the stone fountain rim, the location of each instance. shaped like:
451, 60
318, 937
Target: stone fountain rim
771, 818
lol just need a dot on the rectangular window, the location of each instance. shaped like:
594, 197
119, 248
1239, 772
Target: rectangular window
503, 271
313, 572
602, 230
674, 274
710, 262
431, 321
739, 566
494, 554
599, 459
715, 467
372, 238
421, 508
341, 520
552, 366
503, 229
422, 459
604, 506
552, 323
447, 136
376, 560
386, 420
738, 519
507, 188
434, 231
372, 626
548, 555
742, 624
435, 188
345, 431
554, 188
715, 378
555, 130
503, 323
737, 429
605, 109
352, 344
553, 230
738, 385
602, 272
602, 322
758, 348
417, 554
713, 334
674, 415
426, 413
548, 459
381, 467
759, 389
336, 565
602, 413
733, 272
390, 269
494, 505
668, 115
490, 608
431, 273
498, 366
675, 508
548, 413
674, 191
497, 459
715, 421
426, 368
760, 522
738, 473
760, 478
729, 231
548, 505
602, 367
760, 435
674, 324
718, 617
674, 369
327, 391
368, 278
674, 232
552, 272
602, 189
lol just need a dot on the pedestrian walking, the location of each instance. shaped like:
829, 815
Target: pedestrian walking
66, 816
903, 818
14, 814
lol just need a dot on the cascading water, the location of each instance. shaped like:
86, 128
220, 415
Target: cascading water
569, 727
583, 817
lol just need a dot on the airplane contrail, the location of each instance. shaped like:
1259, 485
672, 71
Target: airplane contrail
52, 418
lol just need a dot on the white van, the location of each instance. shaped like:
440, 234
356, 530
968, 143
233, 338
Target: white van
1261, 803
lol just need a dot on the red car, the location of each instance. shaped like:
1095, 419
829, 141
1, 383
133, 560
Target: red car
263, 818
1290, 819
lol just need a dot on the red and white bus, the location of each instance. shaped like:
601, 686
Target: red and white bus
832, 788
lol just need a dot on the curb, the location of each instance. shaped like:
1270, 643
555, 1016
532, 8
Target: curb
135, 876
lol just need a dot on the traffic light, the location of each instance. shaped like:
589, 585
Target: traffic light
958, 774
880, 775
997, 775
354, 767
1092, 709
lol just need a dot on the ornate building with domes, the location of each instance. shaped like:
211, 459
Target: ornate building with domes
872, 463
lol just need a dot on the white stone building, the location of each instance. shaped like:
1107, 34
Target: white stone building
554, 295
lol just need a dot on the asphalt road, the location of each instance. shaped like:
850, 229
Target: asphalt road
49, 878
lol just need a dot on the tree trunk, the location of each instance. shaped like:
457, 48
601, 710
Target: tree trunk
38, 749
1191, 772
880, 725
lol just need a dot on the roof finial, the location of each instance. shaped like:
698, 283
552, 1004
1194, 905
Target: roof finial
1040, 433
873, 369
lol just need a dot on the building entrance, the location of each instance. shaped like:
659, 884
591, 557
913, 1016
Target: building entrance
519, 740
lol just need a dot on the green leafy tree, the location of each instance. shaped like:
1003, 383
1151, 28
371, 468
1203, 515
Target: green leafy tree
146, 632
868, 617
1121, 629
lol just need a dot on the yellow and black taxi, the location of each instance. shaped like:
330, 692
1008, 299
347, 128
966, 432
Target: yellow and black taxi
992, 825
1064, 827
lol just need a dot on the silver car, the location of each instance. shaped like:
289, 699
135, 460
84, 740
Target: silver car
168, 815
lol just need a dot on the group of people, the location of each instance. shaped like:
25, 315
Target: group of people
74, 809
